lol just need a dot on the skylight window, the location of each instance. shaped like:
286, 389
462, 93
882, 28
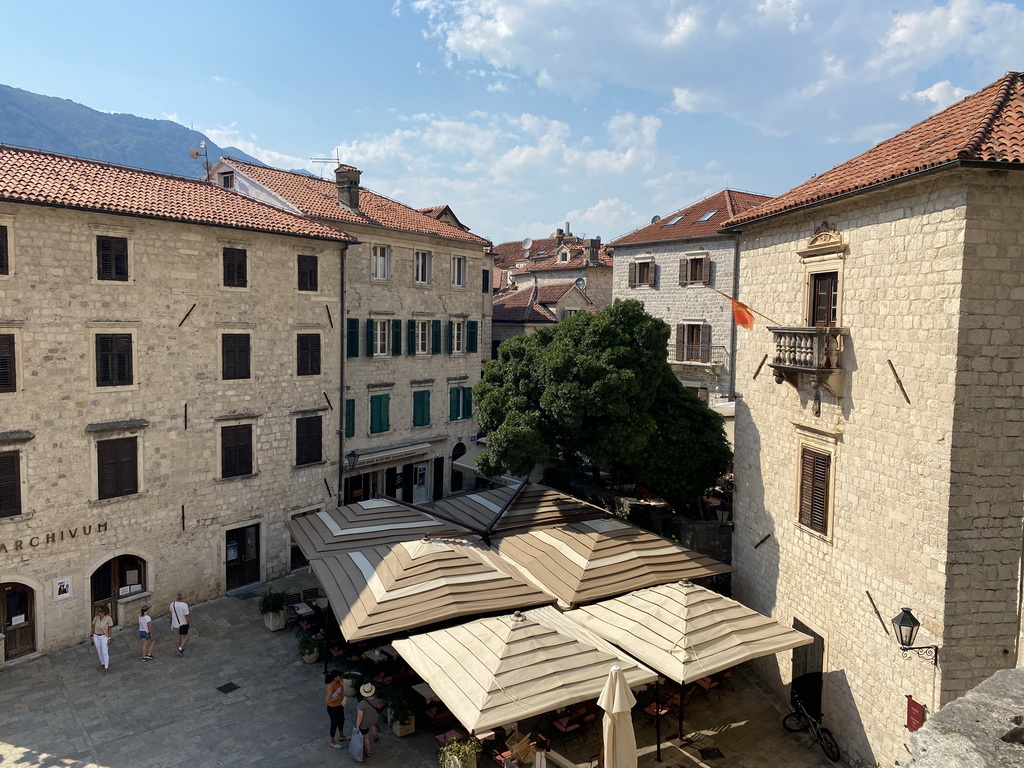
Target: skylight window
673, 220
708, 215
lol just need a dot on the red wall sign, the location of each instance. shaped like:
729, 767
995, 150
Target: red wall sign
915, 714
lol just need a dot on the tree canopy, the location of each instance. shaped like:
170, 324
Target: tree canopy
597, 391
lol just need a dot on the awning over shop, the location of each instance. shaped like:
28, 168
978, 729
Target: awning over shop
383, 590
525, 506
687, 632
502, 669
593, 559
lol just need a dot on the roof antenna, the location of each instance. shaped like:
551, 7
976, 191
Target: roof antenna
196, 152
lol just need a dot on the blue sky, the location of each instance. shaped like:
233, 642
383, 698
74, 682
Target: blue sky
524, 114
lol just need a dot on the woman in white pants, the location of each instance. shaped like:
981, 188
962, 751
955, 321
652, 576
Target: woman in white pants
102, 627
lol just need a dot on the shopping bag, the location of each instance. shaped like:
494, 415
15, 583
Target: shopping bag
355, 745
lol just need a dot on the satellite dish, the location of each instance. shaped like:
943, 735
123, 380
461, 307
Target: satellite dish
206, 165
195, 153
527, 244
655, 219
581, 283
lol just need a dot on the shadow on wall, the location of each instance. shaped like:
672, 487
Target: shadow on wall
850, 733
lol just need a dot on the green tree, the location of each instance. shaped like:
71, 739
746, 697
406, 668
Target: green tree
597, 391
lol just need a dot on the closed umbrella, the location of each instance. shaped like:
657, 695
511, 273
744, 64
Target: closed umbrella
619, 740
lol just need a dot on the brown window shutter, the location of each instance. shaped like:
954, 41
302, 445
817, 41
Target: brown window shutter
8, 377
705, 270
680, 342
10, 484
705, 343
684, 271
632, 274
814, 477
652, 275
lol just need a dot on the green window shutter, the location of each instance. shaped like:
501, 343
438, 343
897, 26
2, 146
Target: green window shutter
421, 408
369, 338
352, 344
471, 333
451, 337
350, 417
396, 337
380, 420
410, 337
435, 337
386, 412
467, 402
454, 403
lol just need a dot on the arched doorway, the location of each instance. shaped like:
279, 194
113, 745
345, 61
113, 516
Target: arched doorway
17, 617
457, 477
119, 577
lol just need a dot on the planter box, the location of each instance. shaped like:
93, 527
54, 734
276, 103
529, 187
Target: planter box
275, 621
403, 729
312, 658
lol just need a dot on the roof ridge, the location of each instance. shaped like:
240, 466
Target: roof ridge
1005, 90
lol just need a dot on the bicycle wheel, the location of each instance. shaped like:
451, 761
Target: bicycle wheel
795, 722
828, 745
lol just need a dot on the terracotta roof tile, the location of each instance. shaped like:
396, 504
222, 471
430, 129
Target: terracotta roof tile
31, 176
319, 198
521, 307
543, 255
702, 219
987, 126
549, 294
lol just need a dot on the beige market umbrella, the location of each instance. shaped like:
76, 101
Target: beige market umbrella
589, 560
617, 701
526, 506
502, 669
381, 591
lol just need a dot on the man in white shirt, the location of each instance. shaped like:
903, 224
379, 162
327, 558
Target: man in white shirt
180, 622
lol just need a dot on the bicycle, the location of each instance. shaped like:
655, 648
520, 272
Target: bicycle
800, 720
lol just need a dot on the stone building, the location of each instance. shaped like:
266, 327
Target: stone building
525, 310
168, 391
417, 328
679, 266
879, 430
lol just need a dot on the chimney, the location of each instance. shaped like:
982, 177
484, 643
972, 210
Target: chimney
592, 246
347, 180
558, 236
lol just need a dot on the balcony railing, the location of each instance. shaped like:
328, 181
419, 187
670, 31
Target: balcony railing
809, 350
700, 354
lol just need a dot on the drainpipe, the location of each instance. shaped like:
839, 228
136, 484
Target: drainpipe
343, 331
732, 325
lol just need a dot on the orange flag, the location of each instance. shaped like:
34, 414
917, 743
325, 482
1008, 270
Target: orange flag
741, 315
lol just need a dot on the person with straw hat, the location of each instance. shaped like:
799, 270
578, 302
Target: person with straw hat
366, 716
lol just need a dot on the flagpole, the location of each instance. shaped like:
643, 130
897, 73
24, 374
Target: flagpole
751, 309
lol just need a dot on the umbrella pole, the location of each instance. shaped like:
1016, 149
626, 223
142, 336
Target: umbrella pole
657, 720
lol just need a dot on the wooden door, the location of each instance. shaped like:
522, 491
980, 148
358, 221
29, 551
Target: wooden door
17, 619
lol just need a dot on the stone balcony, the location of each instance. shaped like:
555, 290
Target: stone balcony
815, 353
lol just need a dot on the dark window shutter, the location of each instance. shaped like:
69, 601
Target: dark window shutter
350, 418
113, 359
705, 343
705, 270
307, 273
680, 342
684, 271
390, 481
5, 261
308, 440
235, 353
814, 477
369, 338
451, 336
396, 337
117, 465
123, 358
408, 478
421, 408
435, 337
10, 483
410, 337
632, 274
652, 274
235, 268
467, 402
8, 375
308, 354
352, 342
236, 450
454, 403
111, 258
471, 334
486, 282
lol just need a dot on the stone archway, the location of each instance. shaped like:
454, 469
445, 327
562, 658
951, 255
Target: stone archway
457, 477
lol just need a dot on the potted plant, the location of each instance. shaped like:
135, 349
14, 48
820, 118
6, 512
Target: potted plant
271, 606
401, 701
461, 753
309, 649
352, 681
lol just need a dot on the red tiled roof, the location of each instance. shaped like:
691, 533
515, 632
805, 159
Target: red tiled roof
521, 307
549, 294
319, 198
543, 254
987, 126
31, 176
690, 222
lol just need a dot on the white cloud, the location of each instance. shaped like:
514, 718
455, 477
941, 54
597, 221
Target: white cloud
684, 100
939, 95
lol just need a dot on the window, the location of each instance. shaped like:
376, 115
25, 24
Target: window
695, 270
485, 283
5, 259
707, 216
308, 354
815, 468
693, 342
435, 337
423, 259
235, 268
419, 337
308, 440
307, 273
674, 220
459, 271
118, 467
10, 483
381, 262
567, 313
421, 408
234, 356
352, 338
113, 359
378, 340
460, 403
8, 374
563, 256
471, 335
824, 299
380, 413
111, 258
227, 180
236, 450
456, 337
396, 337
642, 273
350, 418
